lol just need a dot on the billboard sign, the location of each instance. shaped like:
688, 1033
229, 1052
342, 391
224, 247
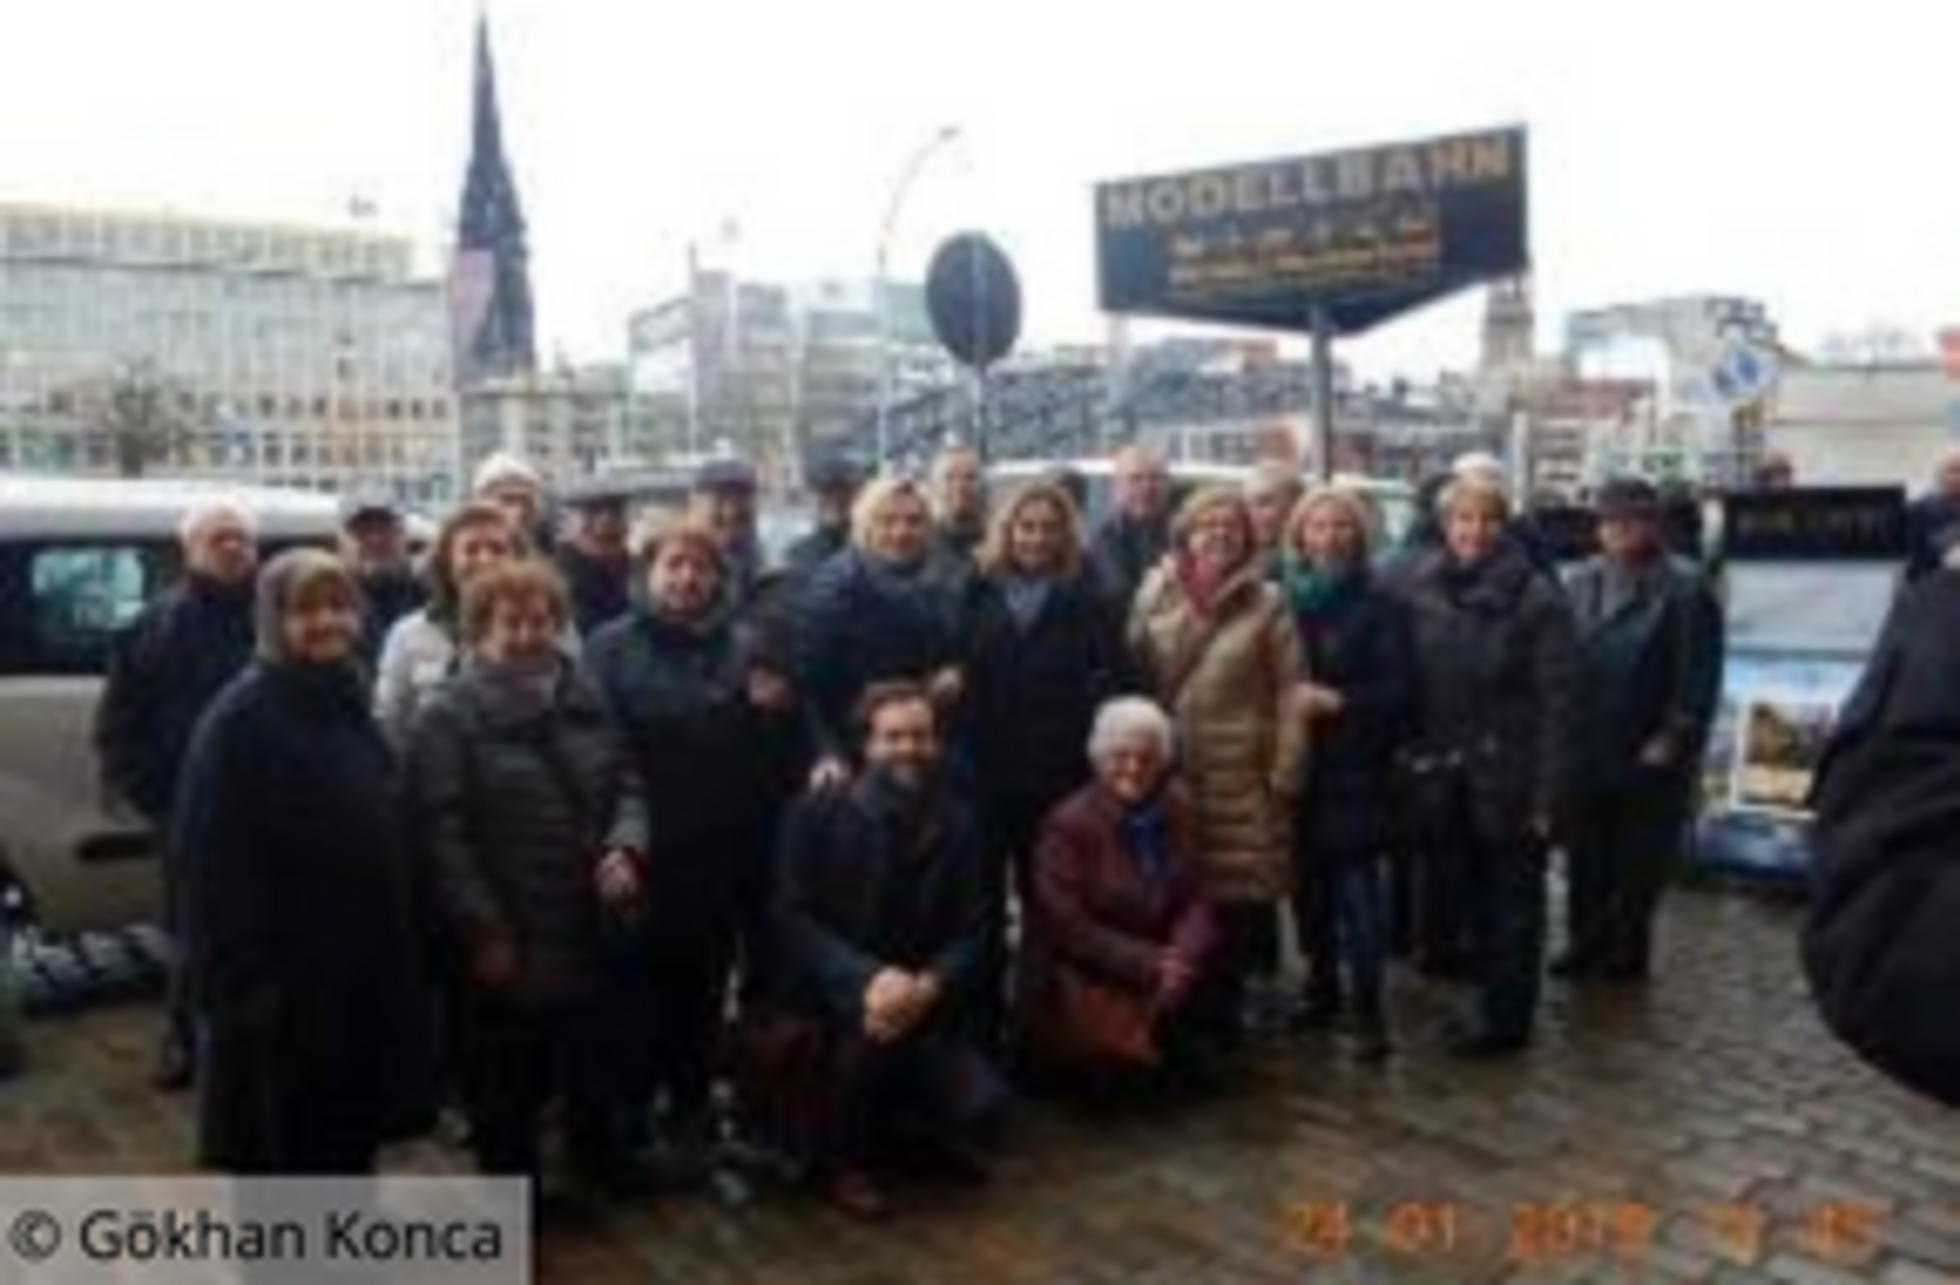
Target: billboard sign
1366, 234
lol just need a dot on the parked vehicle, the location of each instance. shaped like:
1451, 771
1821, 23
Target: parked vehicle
78, 559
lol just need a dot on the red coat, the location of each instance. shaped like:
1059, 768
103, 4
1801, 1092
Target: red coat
1095, 912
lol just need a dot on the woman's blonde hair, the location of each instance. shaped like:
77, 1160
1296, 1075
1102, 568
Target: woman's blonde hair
1203, 502
880, 493
996, 552
1356, 506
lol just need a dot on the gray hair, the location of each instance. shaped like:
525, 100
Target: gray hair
205, 513
1126, 718
1477, 489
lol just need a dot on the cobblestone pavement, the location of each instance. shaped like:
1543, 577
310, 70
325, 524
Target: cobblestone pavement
1705, 1131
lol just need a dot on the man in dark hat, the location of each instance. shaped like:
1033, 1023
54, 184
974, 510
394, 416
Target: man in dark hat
374, 545
596, 562
723, 500
1653, 638
834, 482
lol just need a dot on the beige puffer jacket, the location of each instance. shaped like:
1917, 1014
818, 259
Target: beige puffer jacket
1229, 686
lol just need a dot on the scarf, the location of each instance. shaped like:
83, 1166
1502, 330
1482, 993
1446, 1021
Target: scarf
518, 691
1025, 596
1145, 833
896, 579
1319, 592
909, 814
1203, 583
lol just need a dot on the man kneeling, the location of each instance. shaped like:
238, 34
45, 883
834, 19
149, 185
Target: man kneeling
881, 925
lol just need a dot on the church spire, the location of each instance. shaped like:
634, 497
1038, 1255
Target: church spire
490, 277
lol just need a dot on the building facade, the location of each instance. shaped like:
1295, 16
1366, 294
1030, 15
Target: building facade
183, 346
774, 371
569, 423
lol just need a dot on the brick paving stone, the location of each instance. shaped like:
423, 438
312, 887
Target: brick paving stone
1693, 1097
1903, 1273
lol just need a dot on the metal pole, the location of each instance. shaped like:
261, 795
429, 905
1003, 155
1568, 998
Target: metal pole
900, 190
1323, 393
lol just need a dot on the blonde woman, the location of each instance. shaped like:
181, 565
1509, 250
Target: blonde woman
1221, 655
875, 613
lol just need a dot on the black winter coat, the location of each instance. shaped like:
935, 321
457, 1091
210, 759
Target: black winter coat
165, 669
855, 895
808, 554
1653, 669
1122, 552
1362, 646
856, 626
1497, 663
600, 587
716, 769
514, 814
386, 597
1032, 695
1882, 945
303, 949
1928, 520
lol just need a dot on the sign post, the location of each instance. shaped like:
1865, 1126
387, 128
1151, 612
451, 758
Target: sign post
1323, 393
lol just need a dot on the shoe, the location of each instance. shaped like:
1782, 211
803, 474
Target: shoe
1572, 967
1371, 1044
1477, 1043
1196, 1070
621, 1177
1316, 1014
175, 1070
854, 1192
1444, 967
959, 1163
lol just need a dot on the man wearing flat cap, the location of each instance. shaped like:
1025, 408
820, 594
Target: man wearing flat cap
723, 500
833, 482
374, 545
596, 561
1652, 632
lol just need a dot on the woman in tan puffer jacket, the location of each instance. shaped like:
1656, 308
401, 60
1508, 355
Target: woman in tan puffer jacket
1220, 653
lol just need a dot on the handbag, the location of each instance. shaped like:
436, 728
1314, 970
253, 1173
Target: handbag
1094, 1022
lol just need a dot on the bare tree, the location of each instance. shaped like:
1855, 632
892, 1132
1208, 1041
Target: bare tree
143, 414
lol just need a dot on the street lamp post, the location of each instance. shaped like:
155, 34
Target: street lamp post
914, 166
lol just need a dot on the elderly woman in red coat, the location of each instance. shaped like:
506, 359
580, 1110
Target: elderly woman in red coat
1118, 932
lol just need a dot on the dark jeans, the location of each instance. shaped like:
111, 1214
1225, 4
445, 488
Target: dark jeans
1505, 887
1623, 844
515, 1059
1342, 907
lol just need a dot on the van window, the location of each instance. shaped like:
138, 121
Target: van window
60, 605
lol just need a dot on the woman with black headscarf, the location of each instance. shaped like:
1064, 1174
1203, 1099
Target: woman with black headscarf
302, 943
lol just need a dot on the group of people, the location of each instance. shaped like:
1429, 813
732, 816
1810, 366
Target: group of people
963, 795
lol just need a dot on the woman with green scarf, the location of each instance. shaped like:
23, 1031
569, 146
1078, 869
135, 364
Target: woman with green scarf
1358, 646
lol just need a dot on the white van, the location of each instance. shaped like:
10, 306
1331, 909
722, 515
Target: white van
78, 559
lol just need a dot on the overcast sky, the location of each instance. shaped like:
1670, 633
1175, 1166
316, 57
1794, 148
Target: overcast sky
1794, 152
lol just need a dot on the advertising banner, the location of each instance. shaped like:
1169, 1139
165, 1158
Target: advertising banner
1810, 577
1365, 235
